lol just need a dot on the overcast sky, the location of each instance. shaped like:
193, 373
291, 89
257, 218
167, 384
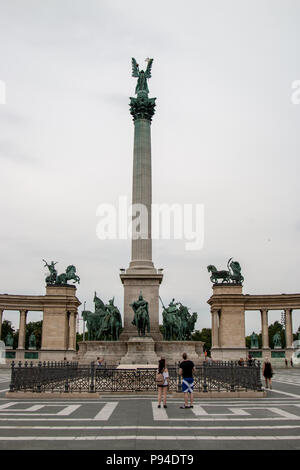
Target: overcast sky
225, 134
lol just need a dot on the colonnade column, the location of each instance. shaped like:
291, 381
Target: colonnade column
215, 328
288, 328
22, 329
72, 330
264, 328
1, 314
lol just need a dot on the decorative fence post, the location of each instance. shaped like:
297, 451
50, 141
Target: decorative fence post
204, 378
232, 389
12, 380
38, 387
92, 383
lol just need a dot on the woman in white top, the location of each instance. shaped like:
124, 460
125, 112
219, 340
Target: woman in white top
162, 388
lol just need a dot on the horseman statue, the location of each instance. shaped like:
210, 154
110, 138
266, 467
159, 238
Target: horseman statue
105, 323
141, 315
111, 323
232, 276
61, 279
178, 323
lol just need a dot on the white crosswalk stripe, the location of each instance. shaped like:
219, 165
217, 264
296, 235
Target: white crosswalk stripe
4, 378
13, 409
227, 413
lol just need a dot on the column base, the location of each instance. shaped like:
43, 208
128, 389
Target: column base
228, 354
140, 350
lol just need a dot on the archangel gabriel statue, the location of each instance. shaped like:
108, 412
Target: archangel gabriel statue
142, 107
142, 76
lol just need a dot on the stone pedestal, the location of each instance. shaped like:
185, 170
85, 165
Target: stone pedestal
140, 350
227, 306
172, 351
59, 325
111, 351
147, 282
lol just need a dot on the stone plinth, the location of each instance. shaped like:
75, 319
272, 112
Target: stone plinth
172, 351
59, 326
111, 351
229, 354
140, 350
228, 322
147, 282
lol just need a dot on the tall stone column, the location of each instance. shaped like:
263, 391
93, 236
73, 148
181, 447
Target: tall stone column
22, 329
72, 331
1, 315
141, 276
264, 329
288, 328
215, 328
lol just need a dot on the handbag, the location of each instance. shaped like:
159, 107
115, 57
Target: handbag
159, 379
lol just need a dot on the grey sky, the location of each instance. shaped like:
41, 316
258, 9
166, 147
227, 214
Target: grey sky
225, 134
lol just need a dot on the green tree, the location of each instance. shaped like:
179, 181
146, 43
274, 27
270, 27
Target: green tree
79, 338
6, 328
205, 336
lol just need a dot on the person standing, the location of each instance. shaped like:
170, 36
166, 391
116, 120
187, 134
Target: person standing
267, 372
186, 370
99, 362
162, 386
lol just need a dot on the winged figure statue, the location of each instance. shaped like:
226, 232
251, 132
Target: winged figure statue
142, 76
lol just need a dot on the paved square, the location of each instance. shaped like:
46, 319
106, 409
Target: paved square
134, 422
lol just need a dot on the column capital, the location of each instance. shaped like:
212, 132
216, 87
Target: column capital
214, 310
142, 107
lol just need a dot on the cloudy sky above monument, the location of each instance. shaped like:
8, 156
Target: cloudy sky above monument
225, 135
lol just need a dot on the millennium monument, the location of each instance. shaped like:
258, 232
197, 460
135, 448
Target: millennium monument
139, 340
141, 275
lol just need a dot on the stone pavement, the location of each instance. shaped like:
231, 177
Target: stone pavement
127, 423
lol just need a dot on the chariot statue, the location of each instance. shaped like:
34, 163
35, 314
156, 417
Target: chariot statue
231, 276
61, 279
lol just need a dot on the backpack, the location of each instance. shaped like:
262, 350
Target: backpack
159, 379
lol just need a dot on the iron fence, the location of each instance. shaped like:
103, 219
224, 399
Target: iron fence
72, 377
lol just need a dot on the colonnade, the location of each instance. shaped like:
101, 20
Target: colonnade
264, 327
59, 307
71, 330
228, 305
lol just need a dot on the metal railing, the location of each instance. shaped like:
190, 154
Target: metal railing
72, 377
